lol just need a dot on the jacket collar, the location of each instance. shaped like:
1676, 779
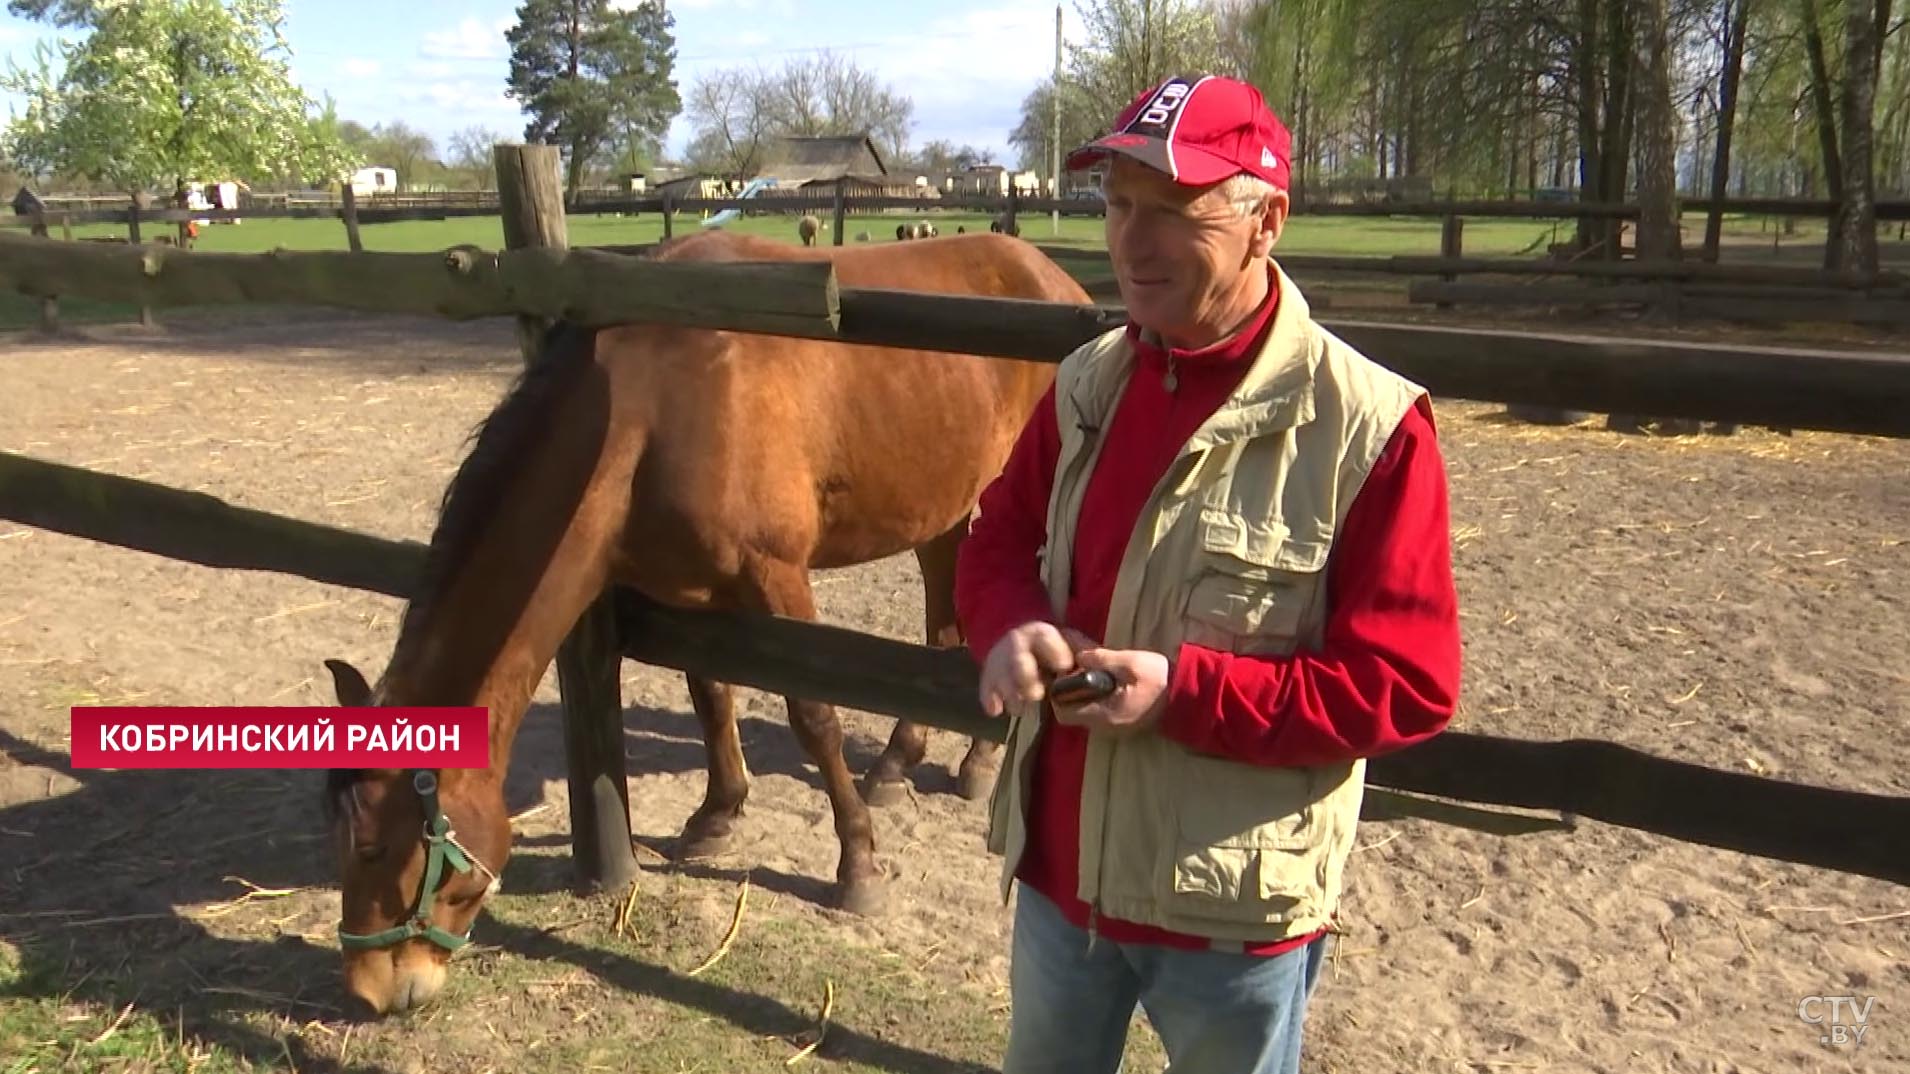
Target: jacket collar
1275, 393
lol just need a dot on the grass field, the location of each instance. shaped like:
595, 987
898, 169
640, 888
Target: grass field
1309, 235
1343, 235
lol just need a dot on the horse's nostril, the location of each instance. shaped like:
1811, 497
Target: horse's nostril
360, 1009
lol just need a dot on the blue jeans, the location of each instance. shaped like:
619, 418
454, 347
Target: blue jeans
1217, 1013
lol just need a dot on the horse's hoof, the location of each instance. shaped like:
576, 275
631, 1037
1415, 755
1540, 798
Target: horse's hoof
975, 782
866, 897
702, 846
885, 793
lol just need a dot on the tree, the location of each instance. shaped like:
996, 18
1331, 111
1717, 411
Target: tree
1852, 245
1658, 220
830, 94
58, 12
942, 156
470, 154
403, 148
1133, 44
1033, 137
1737, 23
163, 92
736, 112
588, 73
730, 120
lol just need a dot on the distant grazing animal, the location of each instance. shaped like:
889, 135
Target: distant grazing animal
807, 227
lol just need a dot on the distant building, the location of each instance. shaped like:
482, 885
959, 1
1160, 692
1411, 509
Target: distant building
850, 161
994, 181
374, 180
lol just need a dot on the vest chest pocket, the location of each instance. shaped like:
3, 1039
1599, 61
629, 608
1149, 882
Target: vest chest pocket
1252, 586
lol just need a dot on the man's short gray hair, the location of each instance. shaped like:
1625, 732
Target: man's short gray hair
1247, 193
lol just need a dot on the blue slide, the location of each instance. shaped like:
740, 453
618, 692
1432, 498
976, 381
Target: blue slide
749, 191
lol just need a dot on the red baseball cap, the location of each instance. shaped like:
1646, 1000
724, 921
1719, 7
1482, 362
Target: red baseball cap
1200, 131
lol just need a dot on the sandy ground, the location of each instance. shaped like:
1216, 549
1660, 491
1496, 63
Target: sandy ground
1740, 603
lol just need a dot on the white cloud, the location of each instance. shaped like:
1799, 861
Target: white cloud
778, 7
466, 97
360, 68
471, 39
968, 73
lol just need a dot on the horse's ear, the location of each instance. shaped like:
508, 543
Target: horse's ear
348, 684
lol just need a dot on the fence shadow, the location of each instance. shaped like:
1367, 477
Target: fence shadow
367, 344
91, 882
667, 742
756, 1014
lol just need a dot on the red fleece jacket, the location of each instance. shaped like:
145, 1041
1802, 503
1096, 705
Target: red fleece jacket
1386, 675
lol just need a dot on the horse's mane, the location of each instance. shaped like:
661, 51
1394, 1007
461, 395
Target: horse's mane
474, 494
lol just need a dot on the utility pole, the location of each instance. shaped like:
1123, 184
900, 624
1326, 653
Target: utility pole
1055, 100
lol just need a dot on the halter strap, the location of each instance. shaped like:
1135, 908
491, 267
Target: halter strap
441, 849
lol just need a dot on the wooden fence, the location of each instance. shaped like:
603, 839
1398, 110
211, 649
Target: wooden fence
1673, 289
1594, 780
1680, 292
1790, 386
1831, 828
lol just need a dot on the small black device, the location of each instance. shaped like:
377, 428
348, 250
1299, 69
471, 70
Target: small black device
1081, 687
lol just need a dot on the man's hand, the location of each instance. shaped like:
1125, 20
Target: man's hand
1020, 665
1139, 697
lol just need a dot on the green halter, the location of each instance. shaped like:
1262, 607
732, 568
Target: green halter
441, 848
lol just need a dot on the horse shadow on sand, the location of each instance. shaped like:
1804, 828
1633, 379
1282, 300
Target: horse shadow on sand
95, 884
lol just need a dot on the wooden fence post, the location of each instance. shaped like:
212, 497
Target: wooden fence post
590, 661
1452, 245
348, 209
530, 190
49, 305
132, 233
842, 211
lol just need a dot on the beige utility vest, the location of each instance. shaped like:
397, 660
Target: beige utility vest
1229, 553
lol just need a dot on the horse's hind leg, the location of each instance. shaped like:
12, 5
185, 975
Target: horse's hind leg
784, 590
708, 831
887, 780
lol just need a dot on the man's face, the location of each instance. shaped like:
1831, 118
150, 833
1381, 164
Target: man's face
1184, 256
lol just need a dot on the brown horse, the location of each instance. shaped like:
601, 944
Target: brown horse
702, 468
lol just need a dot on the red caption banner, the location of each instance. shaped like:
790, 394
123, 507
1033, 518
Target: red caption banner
266, 737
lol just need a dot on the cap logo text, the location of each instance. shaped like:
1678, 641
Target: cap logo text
1163, 106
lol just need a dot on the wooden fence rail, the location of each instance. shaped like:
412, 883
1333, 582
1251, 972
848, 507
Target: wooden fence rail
797, 298
438, 207
1849, 831
1801, 388
1303, 265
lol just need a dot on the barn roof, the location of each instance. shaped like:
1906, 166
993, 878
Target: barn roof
803, 160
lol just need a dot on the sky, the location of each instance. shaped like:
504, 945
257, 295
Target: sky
440, 65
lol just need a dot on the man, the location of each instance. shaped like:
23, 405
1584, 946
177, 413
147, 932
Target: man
1244, 522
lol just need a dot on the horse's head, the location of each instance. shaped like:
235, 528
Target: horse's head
418, 851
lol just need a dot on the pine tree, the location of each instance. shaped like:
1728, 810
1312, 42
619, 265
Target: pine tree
590, 74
